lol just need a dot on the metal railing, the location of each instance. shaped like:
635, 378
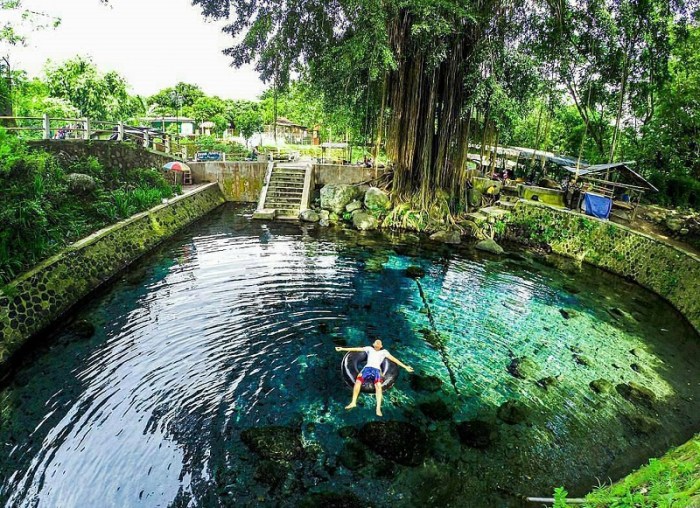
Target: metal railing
45, 127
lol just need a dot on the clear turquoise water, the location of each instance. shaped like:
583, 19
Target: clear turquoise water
232, 325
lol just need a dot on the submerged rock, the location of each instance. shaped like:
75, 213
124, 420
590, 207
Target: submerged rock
436, 410
415, 272
309, 215
643, 425
513, 412
274, 442
364, 221
641, 369
333, 500
399, 442
476, 433
583, 360
452, 237
271, 473
426, 383
491, 246
352, 456
335, 198
601, 386
570, 288
548, 382
636, 393
523, 368
83, 328
376, 200
567, 313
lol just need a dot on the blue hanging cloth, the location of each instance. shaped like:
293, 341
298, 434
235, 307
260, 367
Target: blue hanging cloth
597, 205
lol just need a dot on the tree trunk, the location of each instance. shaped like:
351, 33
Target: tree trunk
426, 122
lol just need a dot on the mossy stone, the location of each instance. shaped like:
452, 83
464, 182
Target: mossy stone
274, 442
476, 433
400, 442
601, 386
436, 410
426, 383
513, 412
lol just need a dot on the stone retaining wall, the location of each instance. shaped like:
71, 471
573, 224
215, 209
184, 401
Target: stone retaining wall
111, 154
667, 270
32, 302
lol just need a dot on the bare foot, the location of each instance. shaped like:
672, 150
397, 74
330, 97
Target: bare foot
351, 406
379, 412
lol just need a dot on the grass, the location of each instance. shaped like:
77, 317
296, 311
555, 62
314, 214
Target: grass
673, 481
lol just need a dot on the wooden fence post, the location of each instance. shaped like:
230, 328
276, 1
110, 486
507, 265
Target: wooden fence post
145, 138
86, 129
47, 126
120, 131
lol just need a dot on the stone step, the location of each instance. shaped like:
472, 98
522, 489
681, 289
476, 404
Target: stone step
289, 172
265, 214
287, 181
476, 216
285, 186
494, 211
506, 205
281, 204
285, 192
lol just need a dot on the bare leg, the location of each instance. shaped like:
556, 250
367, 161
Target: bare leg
355, 394
378, 389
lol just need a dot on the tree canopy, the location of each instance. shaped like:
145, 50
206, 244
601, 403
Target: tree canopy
429, 75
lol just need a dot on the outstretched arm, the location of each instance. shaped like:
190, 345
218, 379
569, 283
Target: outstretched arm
352, 349
399, 363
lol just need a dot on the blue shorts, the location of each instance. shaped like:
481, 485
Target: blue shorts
370, 374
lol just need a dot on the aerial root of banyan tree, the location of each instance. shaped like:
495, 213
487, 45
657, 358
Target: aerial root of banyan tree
427, 130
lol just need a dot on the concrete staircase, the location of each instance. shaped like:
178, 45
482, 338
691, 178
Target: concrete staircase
286, 192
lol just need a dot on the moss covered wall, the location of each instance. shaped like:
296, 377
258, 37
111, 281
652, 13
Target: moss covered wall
239, 181
32, 302
111, 154
667, 270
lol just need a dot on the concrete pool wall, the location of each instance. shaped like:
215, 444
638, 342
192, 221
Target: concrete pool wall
665, 269
38, 298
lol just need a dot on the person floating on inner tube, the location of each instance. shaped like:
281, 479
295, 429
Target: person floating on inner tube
372, 371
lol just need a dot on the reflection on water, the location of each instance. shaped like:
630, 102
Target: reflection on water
231, 326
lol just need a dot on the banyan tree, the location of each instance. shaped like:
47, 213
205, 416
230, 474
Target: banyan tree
412, 62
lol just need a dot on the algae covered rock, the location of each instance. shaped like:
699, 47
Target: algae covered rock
601, 386
448, 236
491, 246
335, 198
636, 393
523, 368
435, 410
309, 216
364, 221
513, 412
643, 425
82, 328
274, 442
415, 272
376, 200
548, 382
333, 500
353, 456
400, 442
476, 433
426, 383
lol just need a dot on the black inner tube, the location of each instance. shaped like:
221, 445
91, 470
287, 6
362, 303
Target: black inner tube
352, 365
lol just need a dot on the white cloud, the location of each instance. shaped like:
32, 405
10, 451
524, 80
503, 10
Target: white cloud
152, 43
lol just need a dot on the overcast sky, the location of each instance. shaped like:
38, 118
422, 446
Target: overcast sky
152, 43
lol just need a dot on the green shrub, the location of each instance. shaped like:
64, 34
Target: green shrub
39, 215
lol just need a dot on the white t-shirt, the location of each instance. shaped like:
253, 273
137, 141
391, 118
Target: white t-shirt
375, 358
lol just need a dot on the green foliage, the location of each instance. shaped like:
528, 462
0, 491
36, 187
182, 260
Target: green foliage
95, 95
560, 495
671, 481
39, 214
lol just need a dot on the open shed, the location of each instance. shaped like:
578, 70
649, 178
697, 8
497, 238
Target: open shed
616, 181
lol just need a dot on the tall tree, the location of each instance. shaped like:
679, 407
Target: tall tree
94, 94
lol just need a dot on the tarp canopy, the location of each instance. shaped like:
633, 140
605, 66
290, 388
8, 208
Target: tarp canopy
618, 174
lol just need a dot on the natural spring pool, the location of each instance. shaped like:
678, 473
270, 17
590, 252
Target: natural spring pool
212, 380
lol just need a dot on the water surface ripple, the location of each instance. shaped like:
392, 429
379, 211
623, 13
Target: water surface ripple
232, 324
